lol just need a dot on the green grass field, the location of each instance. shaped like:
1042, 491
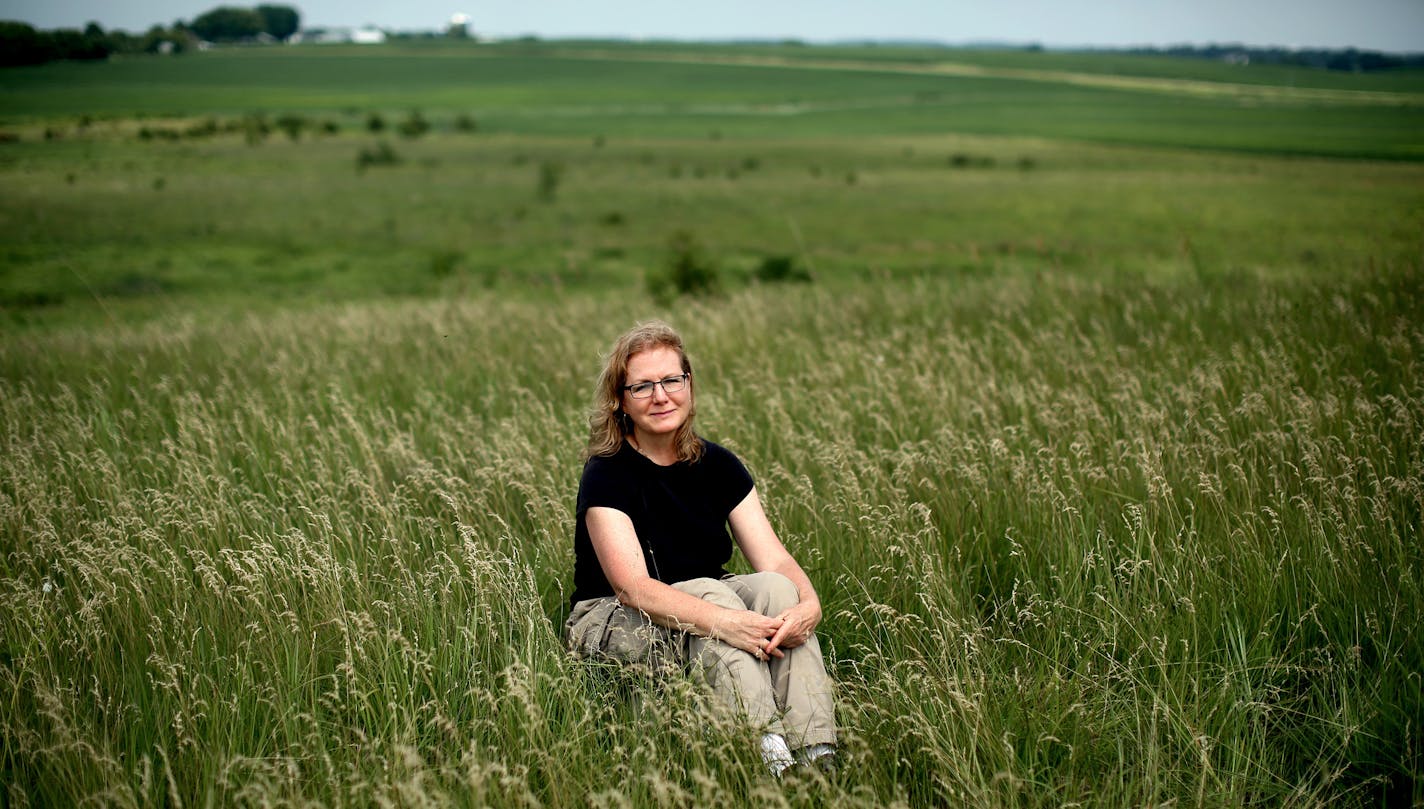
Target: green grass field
1100, 426
652, 92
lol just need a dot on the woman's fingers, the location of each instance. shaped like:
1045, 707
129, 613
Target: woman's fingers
789, 636
751, 632
796, 627
777, 640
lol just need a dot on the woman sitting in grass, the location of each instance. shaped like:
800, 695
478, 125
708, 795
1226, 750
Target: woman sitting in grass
651, 543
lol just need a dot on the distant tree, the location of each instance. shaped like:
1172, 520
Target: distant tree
21, 44
1346, 59
228, 24
124, 42
71, 43
279, 21
167, 40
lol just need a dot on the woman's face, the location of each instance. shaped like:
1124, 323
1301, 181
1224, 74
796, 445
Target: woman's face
662, 412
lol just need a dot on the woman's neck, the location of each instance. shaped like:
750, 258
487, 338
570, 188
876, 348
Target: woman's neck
660, 449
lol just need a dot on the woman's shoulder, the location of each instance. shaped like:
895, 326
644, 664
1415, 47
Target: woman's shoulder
712, 451
606, 481
718, 458
603, 464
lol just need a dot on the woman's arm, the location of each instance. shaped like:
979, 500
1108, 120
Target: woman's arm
764, 551
621, 557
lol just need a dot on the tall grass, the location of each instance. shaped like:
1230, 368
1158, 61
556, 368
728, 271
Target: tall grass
1094, 542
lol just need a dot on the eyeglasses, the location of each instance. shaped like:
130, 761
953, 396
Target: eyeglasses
671, 384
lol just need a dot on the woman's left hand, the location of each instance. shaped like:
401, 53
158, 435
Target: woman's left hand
797, 624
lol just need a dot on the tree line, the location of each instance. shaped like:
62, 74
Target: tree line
23, 44
1352, 60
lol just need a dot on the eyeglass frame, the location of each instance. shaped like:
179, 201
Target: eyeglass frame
682, 378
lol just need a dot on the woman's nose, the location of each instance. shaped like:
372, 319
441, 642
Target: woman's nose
659, 395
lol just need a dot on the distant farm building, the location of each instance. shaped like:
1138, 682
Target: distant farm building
327, 36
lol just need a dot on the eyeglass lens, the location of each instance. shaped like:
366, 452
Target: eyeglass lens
672, 384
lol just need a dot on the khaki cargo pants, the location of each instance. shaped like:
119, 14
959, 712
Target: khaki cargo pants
790, 695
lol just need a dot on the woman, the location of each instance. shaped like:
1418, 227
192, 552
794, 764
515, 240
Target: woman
651, 543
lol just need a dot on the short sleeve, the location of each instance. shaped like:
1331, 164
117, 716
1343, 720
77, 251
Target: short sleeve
730, 478
602, 486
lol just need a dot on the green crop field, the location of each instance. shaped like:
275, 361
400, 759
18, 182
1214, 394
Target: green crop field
1087, 388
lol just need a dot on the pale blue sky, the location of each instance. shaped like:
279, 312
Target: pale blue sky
1390, 25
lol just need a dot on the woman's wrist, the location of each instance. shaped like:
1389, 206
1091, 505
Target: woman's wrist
714, 626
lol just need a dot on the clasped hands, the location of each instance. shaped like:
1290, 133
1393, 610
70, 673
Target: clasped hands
766, 636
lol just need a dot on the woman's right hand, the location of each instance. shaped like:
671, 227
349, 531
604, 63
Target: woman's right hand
749, 631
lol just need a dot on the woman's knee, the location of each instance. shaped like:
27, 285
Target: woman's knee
772, 589
711, 590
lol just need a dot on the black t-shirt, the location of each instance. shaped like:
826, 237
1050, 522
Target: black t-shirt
679, 512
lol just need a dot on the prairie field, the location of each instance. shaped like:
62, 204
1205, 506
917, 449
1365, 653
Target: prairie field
1090, 395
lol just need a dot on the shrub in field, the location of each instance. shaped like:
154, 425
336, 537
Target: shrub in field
464, 122
204, 129
380, 154
960, 160
255, 128
686, 271
443, 263
551, 173
780, 269
414, 125
292, 124
375, 122
159, 133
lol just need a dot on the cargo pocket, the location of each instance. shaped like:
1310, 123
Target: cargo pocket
588, 627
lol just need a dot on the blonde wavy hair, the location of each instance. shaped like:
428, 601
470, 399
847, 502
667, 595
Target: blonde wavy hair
608, 425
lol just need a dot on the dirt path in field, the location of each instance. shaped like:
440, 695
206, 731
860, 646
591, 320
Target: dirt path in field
1245, 93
